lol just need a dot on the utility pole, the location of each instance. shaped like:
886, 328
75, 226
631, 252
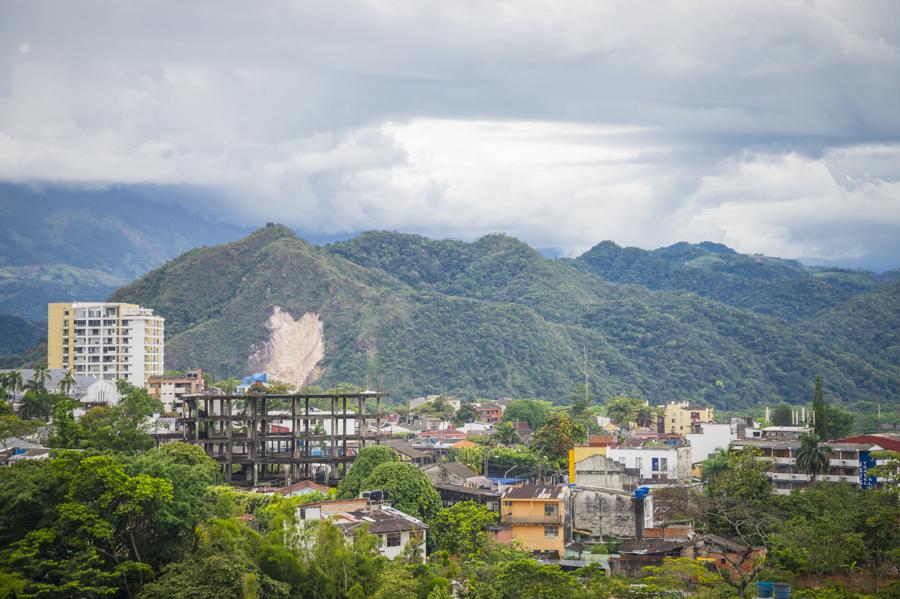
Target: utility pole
584, 347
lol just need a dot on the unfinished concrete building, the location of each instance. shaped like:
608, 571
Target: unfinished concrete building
259, 438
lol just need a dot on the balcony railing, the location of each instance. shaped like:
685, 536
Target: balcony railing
532, 518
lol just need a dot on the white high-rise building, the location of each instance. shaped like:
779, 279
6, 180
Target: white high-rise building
106, 340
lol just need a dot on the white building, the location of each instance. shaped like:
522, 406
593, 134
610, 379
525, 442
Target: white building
655, 463
709, 437
88, 390
394, 528
105, 340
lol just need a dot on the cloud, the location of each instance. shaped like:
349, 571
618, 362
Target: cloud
770, 127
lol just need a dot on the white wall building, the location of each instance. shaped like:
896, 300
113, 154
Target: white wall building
655, 463
711, 436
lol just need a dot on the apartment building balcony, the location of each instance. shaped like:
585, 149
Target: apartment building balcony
533, 519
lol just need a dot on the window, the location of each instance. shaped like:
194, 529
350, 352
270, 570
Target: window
551, 532
549, 509
638, 462
393, 539
664, 464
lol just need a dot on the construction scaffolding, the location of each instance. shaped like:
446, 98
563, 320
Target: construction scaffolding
257, 438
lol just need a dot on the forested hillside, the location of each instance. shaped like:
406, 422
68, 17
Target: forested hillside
65, 244
494, 318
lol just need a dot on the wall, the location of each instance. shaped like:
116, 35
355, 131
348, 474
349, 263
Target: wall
605, 513
600, 471
647, 455
532, 536
714, 436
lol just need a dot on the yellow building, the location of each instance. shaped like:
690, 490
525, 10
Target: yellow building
578, 453
681, 416
539, 517
105, 340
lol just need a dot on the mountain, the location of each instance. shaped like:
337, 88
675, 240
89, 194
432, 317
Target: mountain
18, 334
783, 288
60, 244
495, 318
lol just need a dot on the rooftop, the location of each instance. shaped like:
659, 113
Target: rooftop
536, 492
380, 520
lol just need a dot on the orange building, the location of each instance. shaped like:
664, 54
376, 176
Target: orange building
539, 516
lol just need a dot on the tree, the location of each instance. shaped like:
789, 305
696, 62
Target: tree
683, 574
12, 381
532, 411
580, 399
558, 435
782, 415
506, 434
36, 403
812, 455
820, 418
465, 413
41, 375
743, 478
68, 382
366, 461
623, 410
13, 426
838, 422
228, 386
460, 529
410, 490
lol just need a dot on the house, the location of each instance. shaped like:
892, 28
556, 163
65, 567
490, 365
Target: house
465, 443
169, 389
408, 453
447, 435
489, 413
297, 489
706, 438
600, 471
655, 462
395, 529
539, 516
600, 514
453, 494
681, 416
452, 473
886, 441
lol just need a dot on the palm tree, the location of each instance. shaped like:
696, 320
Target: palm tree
34, 387
621, 410
68, 382
35, 405
812, 456
714, 465
42, 375
506, 433
12, 381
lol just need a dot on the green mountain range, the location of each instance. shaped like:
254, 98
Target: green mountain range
495, 318
63, 244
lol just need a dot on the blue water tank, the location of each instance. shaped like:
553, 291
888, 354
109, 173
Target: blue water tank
782, 590
641, 492
764, 589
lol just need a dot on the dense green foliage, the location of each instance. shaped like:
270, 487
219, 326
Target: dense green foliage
18, 334
410, 490
494, 318
92, 525
773, 286
368, 459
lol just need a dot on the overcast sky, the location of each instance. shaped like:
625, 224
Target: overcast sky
772, 127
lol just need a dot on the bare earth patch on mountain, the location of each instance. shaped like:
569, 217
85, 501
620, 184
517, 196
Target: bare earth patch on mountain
294, 348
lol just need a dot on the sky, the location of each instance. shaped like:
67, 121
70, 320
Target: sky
772, 127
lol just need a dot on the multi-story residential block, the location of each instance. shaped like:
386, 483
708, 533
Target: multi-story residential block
169, 389
847, 462
540, 517
655, 463
105, 340
681, 416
